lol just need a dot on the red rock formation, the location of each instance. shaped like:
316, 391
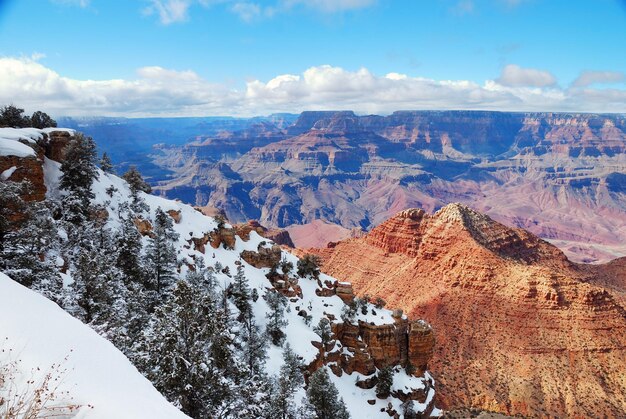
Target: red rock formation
520, 329
277, 235
26, 169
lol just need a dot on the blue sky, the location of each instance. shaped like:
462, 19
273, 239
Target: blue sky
180, 57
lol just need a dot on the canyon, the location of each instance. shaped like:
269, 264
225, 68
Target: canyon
560, 176
520, 329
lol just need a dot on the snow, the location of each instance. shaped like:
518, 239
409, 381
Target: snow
15, 148
7, 173
11, 140
98, 376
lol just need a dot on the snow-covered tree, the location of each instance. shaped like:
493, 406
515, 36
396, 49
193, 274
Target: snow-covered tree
241, 294
137, 184
285, 385
129, 250
105, 163
324, 330
42, 120
161, 259
276, 321
385, 381
324, 397
179, 352
79, 172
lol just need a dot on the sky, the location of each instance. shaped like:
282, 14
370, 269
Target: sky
255, 57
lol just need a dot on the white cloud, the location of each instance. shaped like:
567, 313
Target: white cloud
588, 78
516, 76
169, 11
79, 3
159, 91
330, 6
247, 11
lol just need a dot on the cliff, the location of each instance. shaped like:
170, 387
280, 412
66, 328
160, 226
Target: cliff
557, 175
520, 329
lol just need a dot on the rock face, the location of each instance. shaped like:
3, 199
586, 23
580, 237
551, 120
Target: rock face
278, 236
560, 176
50, 144
520, 328
26, 169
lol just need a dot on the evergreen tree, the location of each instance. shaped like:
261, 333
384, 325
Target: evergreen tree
12, 116
28, 237
99, 290
276, 321
289, 380
79, 172
136, 184
105, 163
241, 294
161, 255
180, 347
129, 250
42, 120
324, 330
309, 265
385, 381
253, 347
202, 278
324, 397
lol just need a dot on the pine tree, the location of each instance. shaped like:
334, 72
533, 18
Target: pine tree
42, 120
105, 163
179, 362
129, 250
240, 293
186, 352
253, 347
276, 321
324, 330
136, 184
28, 236
12, 116
161, 255
385, 381
324, 397
285, 386
99, 292
79, 173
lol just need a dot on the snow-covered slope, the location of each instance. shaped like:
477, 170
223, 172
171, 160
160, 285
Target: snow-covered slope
300, 336
36, 333
101, 376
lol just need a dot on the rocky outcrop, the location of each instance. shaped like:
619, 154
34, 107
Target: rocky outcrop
519, 327
143, 226
223, 236
265, 257
176, 215
55, 144
28, 169
278, 236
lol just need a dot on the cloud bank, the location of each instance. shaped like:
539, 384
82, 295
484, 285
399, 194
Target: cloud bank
157, 91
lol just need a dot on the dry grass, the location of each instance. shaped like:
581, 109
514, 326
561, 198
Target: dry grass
29, 395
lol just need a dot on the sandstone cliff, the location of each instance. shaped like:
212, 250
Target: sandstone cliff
520, 329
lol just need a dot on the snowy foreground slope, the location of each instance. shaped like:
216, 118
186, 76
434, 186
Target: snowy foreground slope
37, 333
102, 377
